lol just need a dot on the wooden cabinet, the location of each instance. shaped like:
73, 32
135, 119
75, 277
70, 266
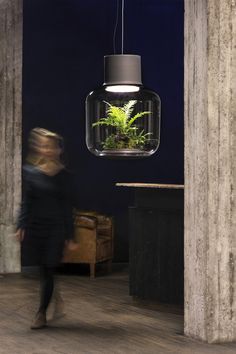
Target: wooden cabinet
94, 234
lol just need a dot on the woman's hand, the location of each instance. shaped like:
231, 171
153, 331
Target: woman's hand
20, 234
71, 245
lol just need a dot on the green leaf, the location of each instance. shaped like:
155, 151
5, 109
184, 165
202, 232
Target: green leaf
138, 115
128, 108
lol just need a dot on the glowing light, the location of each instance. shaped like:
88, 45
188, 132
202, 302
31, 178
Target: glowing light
122, 88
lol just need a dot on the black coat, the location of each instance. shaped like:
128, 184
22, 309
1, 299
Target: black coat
46, 215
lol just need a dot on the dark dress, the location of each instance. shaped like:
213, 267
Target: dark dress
46, 216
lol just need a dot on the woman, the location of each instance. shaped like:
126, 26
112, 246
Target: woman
45, 218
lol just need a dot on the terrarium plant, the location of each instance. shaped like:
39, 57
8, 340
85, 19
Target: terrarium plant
125, 134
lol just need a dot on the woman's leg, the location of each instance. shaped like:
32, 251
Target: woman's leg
56, 307
46, 290
46, 287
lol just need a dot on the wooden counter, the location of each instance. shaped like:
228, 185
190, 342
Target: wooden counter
156, 242
151, 185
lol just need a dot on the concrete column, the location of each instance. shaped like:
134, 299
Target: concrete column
210, 170
10, 130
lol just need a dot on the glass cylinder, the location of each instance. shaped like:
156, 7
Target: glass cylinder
122, 117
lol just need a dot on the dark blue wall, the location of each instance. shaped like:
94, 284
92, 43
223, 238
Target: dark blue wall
64, 45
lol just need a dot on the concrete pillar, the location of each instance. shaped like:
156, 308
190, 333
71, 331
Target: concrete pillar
10, 130
210, 170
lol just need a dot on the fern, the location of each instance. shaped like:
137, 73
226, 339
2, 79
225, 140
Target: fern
128, 108
138, 115
126, 134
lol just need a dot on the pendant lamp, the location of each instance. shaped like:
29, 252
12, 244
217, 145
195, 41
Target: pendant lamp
122, 116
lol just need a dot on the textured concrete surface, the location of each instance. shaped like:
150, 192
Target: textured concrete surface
210, 169
10, 130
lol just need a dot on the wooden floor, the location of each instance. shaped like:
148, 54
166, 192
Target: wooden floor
101, 318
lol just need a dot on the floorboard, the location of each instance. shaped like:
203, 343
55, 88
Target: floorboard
100, 318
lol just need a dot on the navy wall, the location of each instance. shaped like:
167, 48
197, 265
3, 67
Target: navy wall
64, 44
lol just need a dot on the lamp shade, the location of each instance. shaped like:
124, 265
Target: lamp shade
122, 69
122, 116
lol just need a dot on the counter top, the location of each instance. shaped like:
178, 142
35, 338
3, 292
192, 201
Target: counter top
151, 185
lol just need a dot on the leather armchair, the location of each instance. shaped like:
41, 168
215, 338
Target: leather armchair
94, 234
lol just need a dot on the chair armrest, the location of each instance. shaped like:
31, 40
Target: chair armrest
88, 222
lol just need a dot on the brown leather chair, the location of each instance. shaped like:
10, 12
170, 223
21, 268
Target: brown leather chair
94, 234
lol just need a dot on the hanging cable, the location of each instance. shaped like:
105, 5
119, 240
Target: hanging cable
122, 26
115, 27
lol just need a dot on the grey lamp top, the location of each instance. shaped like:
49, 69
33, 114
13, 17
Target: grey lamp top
122, 69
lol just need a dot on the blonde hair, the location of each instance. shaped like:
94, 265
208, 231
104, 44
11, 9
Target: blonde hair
33, 156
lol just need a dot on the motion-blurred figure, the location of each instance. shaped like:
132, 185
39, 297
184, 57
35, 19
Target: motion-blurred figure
45, 218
